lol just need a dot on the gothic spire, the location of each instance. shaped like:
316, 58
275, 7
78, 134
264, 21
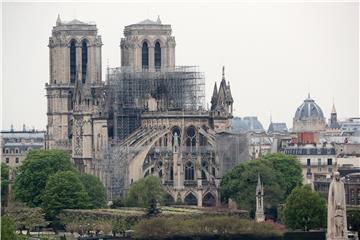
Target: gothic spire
333, 110
223, 74
58, 20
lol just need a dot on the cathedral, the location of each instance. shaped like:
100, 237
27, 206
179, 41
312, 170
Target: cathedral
148, 117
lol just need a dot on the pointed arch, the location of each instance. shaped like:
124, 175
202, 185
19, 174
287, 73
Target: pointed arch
189, 171
209, 200
190, 199
72, 54
145, 55
157, 55
169, 199
84, 59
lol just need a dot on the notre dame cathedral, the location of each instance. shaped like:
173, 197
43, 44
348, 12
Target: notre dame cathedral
148, 117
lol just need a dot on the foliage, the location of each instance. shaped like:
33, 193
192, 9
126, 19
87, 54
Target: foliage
240, 183
161, 227
143, 190
95, 190
118, 203
4, 182
289, 168
121, 226
8, 228
279, 173
305, 209
33, 174
25, 217
353, 218
64, 190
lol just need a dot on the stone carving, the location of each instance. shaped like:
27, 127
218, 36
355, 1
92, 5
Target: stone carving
336, 219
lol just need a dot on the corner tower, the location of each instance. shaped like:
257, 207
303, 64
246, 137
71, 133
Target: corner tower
148, 45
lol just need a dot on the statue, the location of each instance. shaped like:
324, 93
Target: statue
176, 142
336, 219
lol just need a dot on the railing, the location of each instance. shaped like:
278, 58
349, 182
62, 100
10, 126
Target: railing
190, 183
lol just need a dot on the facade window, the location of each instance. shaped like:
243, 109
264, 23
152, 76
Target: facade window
16, 160
308, 162
189, 171
145, 56
157, 56
84, 61
7, 160
72, 61
329, 162
319, 165
16, 150
171, 173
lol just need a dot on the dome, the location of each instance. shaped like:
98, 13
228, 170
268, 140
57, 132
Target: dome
309, 110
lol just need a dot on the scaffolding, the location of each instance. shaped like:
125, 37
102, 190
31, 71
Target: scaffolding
180, 88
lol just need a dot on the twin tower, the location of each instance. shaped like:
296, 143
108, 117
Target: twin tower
75, 92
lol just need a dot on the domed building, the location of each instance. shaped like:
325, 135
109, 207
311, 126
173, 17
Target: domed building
308, 121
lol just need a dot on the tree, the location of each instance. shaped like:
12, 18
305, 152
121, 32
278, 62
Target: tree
33, 175
305, 209
240, 184
353, 218
64, 190
4, 182
279, 173
143, 190
289, 168
25, 217
95, 190
8, 228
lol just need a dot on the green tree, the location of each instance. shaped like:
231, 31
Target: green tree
279, 173
240, 183
143, 190
289, 168
353, 218
64, 190
305, 209
33, 174
95, 190
4, 182
25, 217
8, 228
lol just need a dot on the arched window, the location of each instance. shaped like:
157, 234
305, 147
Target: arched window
84, 61
209, 200
191, 136
145, 55
157, 56
189, 171
190, 199
72, 61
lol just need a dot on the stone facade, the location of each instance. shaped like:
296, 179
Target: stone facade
174, 139
157, 39
16, 144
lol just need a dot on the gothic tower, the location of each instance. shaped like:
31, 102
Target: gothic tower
74, 92
221, 106
333, 119
148, 45
259, 214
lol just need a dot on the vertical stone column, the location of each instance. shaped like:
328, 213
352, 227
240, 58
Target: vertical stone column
199, 198
151, 58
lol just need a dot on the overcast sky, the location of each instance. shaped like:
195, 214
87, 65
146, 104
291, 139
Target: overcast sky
274, 53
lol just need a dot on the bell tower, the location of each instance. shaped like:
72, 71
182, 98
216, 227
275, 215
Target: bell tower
74, 55
148, 45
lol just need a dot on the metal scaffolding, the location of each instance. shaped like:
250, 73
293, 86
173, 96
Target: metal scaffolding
181, 88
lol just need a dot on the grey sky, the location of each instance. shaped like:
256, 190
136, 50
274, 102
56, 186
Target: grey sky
274, 53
